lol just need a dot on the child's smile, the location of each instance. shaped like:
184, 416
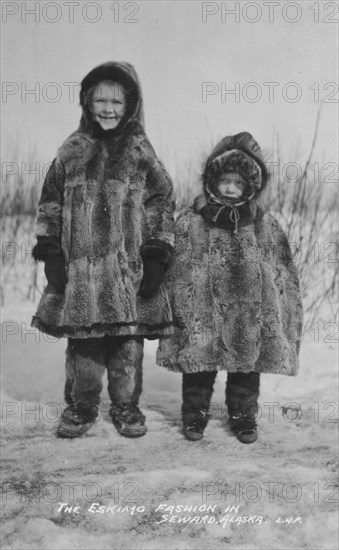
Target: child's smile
108, 104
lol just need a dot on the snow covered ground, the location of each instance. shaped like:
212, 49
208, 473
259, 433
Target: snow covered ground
286, 483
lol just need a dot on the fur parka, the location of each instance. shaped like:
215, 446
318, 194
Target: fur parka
234, 289
108, 204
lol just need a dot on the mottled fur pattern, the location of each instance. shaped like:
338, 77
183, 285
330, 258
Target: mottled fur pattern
235, 297
107, 203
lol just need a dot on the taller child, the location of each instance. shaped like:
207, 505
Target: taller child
105, 233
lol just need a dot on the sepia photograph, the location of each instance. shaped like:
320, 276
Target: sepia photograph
169, 275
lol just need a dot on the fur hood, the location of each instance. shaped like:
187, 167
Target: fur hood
106, 205
238, 153
123, 73
233, 287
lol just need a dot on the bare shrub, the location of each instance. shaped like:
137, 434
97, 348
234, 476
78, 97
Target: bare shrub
307, 207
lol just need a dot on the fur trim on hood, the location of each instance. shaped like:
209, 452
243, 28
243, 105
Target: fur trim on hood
107, 202
242, 154
239, 153
123, 73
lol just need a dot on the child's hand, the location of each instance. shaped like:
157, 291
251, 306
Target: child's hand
154, 272
56, 273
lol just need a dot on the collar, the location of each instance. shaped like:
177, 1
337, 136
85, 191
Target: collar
223, 212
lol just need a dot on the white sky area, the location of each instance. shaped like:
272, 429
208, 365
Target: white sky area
174, 53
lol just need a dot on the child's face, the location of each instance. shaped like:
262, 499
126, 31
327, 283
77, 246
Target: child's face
231, 185
108, 104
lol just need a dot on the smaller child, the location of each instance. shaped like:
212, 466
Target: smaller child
234, 292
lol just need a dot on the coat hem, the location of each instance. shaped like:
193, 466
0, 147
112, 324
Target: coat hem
172, 365
99, 330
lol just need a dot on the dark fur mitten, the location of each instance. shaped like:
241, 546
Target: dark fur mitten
48, 250
56, 273
154, 272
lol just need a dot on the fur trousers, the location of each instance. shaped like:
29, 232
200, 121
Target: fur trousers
87, 360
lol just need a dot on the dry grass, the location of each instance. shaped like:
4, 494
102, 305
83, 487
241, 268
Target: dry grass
20, 191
